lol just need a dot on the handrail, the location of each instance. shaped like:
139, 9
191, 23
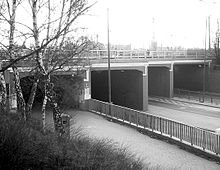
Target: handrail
194, 136
139, 55
145, 54
210, 97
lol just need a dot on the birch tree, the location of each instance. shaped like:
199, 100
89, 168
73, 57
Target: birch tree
9, 18
48, 39
56, 57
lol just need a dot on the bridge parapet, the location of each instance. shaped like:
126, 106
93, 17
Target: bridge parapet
144, 55
101, 56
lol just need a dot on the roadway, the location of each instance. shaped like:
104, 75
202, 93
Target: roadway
190, 114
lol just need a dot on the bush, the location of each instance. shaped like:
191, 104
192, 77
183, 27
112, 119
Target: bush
24, 147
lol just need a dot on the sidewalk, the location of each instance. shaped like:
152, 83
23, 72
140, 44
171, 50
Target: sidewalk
153, 151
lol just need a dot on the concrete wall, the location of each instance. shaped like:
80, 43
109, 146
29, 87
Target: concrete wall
189, 77
213, 81
127, 87
159, 81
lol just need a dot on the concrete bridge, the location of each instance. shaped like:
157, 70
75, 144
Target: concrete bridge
135, 74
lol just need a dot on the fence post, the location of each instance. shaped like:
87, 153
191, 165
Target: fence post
151, 126
181, 132
171, 129
203, 140
123, 115
218, 145
129, 117
137, 119
109, 109
145, 121
191, 135
161, 131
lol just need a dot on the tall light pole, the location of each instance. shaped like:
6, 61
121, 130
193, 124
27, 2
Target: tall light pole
209, 18
204, 67
109, 66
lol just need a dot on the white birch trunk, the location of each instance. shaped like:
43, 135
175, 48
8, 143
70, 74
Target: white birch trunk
21, 101
3, 93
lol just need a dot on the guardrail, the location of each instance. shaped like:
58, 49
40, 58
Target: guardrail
207, 97
196, 137
117, 55
125, 56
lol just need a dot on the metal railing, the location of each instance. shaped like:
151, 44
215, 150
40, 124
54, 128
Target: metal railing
117, 55
199, 96
126, 56
193, 136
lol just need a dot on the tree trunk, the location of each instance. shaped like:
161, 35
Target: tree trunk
21, 102
59, 128
30, 102
43, 111
49, 93
3, 94
20, 97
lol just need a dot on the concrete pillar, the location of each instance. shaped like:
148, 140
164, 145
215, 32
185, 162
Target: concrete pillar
145, 88
87, 82
86, 92
171, 80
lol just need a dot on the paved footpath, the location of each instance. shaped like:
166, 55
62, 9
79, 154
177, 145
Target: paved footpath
151, 150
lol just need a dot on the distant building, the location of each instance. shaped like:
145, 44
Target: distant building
153, 45
120, 47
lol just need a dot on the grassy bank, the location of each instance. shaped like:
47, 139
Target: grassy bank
23, 146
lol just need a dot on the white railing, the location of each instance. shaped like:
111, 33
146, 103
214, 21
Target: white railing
117, 55
132, 56
190, 135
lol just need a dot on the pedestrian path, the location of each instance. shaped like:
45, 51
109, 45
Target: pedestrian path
150, 150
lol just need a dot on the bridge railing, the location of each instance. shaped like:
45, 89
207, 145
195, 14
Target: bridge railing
206, 97
193, 136
128, 56
145, 55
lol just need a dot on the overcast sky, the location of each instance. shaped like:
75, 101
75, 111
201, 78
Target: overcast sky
176, 22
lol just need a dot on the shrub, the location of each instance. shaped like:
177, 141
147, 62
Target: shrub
24, 147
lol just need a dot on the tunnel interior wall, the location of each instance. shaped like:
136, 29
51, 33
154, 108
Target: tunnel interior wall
158, 81
127, 87
213, 81
188, 77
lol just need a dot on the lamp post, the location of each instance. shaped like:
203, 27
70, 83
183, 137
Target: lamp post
204, 67
109, 66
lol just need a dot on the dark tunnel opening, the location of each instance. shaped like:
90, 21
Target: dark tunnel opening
126, 86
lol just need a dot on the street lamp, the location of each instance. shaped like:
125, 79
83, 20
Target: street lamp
109, 67
207, 27
204, 70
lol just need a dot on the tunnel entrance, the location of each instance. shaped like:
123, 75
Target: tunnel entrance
67, 88
188, 77
127, 87
159, 81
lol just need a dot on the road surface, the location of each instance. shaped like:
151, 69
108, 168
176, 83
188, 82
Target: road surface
190, 114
